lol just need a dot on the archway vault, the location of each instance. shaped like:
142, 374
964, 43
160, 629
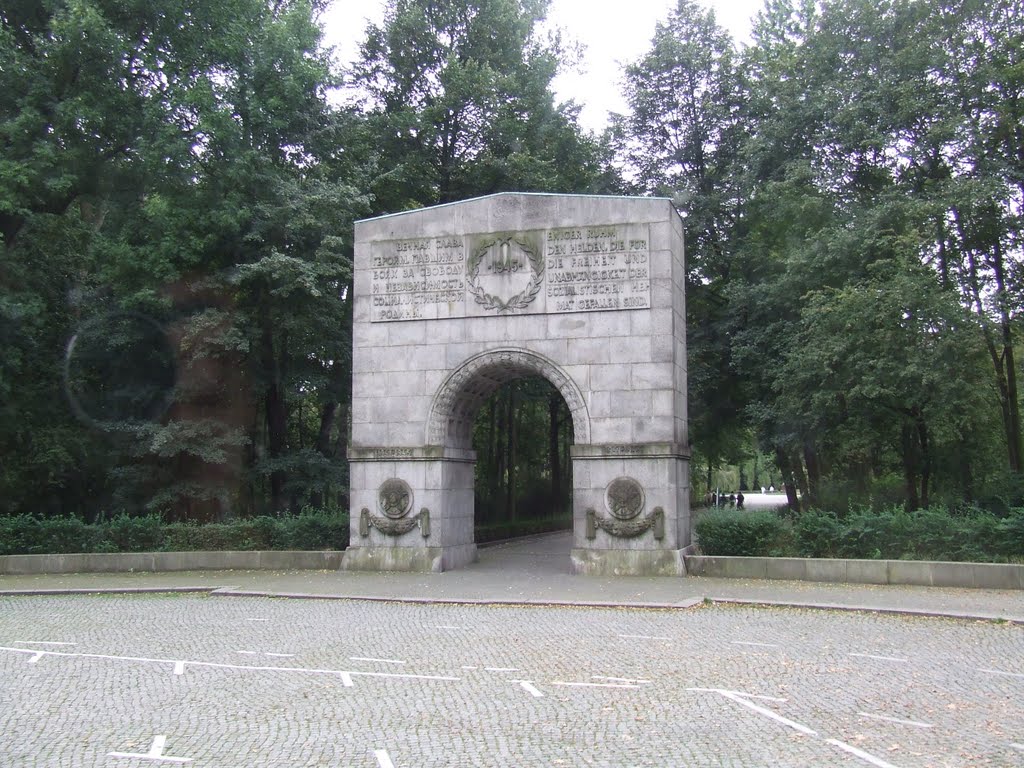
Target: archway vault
466, 388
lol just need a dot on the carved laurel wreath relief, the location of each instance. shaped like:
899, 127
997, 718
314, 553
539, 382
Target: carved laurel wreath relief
510, 256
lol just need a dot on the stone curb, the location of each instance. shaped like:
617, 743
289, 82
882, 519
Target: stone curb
646, 605
921, 573
935, 613
688, 603
163, 562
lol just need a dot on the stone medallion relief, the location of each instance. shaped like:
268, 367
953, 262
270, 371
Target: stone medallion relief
394, 499
624, 498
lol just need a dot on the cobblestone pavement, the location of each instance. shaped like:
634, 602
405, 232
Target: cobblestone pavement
146, 680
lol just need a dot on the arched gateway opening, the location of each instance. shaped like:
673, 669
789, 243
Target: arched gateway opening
451, 303
504, 489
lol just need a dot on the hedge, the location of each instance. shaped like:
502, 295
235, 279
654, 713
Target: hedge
309, 530
734, 532
935, 533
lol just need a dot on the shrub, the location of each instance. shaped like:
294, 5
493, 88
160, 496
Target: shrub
1009, 534
738, 533
313, 530
309, 530
817, 534
135, 534
935, 533
56, 535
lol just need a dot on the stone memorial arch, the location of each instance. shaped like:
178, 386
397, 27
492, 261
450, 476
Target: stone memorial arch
453, 301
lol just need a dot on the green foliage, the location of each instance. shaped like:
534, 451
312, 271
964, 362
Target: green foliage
461, 103
312, 529
738, 533
191, 175
925, 534
935, 533
27, 535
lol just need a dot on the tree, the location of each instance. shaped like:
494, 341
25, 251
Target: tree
193, 174
459, 96
893, 359
681, 139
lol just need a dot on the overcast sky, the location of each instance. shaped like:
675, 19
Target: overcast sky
609, 37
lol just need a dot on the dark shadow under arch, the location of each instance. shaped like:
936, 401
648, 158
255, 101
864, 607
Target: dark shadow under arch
466, 388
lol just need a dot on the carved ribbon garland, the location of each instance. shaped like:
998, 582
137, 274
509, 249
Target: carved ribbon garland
391, 527
627, 529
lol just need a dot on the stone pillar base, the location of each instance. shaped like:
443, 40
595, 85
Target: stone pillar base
628, 562
408, 559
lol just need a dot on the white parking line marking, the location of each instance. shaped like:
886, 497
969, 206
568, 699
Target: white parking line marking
446, 626
346, 679
596, 685
500, 669
879, 658
768, 713
36, 657
867, 757
896, 720
370, 658
998, 672
179, 667
469, 667
620, 679
383, 759
758, 645
1018, 746
645, 637
40, 642
738, 693
267, 653
156, 752
529, 687
404, 676
215, 665
255, 619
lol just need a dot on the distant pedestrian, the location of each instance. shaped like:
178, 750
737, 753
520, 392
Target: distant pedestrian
739, 500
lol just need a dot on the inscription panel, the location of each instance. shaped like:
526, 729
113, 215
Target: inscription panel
571, 269
421, 279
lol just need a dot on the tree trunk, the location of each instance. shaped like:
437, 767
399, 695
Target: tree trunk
797, 465
813, 473
276, 410
907, 444
1002, 360
510, 455
554, 455
323, 436
786, 470
1013, 427
492, 444
926, 460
